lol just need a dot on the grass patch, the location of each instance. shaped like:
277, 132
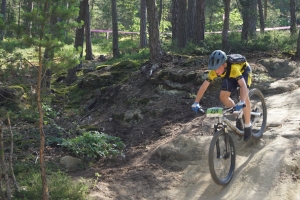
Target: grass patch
93, 145
61, 187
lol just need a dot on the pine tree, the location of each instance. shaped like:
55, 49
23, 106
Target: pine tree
51, 21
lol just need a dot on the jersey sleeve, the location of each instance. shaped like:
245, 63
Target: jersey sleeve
211, 75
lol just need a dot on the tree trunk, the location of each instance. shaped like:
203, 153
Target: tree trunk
143, 24
190, 19
249, 15
49, 54
253, 19
181, 31
245, 17
116, 52
154, 42
79, 40
3, 12
160, 12
46, 80
226, 24
199, 23
45, 190
261, 16
293, 28
4, 166
19, 21
11, 169
79, 37
266, 9
71, 76
174, 19
89, 53
28, 23
49, 50
298, 47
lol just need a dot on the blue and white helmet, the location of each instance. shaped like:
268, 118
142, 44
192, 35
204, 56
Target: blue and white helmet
216, 59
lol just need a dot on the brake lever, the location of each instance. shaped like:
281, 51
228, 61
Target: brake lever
201, 111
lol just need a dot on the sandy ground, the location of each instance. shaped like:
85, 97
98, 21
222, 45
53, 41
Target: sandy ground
176, 166
267, 169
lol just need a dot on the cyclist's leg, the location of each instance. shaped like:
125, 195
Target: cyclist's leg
228, 86
247, 110
247, 74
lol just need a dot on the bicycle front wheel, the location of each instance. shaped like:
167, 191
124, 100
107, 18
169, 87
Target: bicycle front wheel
258, 106
221, 158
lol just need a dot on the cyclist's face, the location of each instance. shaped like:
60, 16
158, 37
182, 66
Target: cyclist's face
221, 69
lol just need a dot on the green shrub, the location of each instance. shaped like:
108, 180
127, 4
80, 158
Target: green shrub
29, 115
93, 145
61, 187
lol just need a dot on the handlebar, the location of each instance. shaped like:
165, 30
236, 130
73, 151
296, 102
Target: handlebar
224, 110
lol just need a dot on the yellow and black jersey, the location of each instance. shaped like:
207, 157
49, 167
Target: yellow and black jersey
235, 71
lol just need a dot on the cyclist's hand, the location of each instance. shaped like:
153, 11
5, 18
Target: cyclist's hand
240, 105
196, 107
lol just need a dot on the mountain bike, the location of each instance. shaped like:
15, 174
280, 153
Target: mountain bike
222, 155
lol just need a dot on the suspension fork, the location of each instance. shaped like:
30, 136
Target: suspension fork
226, 140
227, 146
216, 127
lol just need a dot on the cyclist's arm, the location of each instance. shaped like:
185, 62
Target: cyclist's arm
243, 89
202, 90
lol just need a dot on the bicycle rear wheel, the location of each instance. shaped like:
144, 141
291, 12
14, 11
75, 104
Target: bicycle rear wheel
258, 105
221, 158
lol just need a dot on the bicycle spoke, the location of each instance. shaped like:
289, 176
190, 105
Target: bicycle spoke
221, 158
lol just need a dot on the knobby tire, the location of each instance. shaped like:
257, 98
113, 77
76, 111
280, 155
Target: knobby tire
260, 106
220, 173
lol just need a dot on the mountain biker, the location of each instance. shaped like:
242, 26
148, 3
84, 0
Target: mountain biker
232, 74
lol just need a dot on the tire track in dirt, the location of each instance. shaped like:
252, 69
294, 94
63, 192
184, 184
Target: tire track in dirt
265, 168
178, 169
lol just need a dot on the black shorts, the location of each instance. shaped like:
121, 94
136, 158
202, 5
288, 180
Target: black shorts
230, 84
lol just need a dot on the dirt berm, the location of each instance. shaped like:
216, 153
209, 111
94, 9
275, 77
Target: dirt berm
168, 155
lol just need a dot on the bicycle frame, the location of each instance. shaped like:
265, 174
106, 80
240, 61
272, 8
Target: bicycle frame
223, 119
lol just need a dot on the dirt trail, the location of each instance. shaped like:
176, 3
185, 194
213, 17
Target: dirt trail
265, 169
176, 167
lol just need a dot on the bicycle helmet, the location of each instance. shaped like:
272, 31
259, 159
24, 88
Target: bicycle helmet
216, 59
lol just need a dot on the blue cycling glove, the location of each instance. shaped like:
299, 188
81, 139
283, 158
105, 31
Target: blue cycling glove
196, 107
240, 105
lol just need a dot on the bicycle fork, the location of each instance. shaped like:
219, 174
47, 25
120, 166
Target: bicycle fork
226, 150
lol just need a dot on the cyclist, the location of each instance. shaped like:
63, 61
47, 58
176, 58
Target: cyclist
232, 74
